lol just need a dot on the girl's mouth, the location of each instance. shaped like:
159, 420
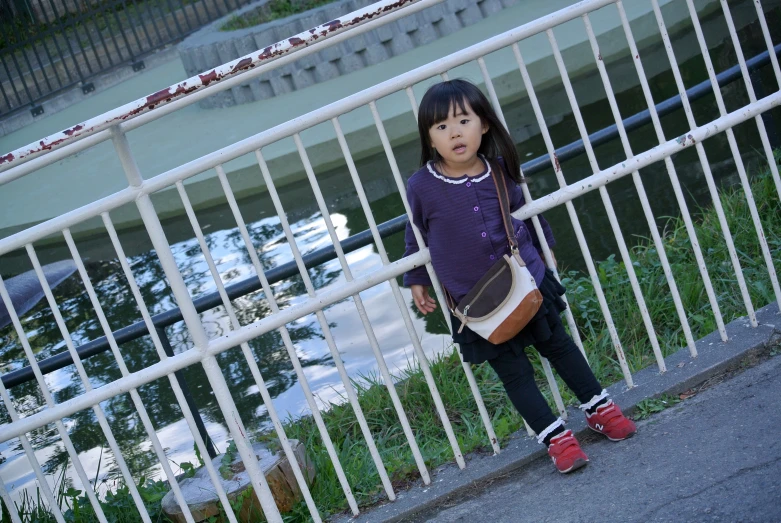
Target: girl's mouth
460, 148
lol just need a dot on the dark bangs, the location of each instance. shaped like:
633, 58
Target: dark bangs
436, 106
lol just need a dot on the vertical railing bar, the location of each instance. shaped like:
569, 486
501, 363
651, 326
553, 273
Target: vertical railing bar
134, 395
158, 20
373, 343
37, 57
27, 61
705, 167
595, 168
8, 503
173, 10
444, 76
628, 262
394, 285
573, 327
184, 16
206, 10
730, 139
349, 389
670, 168
63, 29
768, 41
412, 101
137, 12
113, 8
153, 20
161, 15
489, 85
107, 6
194, 5
126, 14
443, 304
184, 404
45, 46
51, 23
752, 95
5, 96
288, 342
248, 355
101, 416
434, 281
28, 450
28, 351
81, 47
570, 211
423, 361
181, 382
198, 335
87, 22
30, 98
11, 81
686, 216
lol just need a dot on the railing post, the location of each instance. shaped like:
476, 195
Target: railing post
169, 351
200, 340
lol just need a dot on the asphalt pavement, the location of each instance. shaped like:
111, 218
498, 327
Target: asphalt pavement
715, 456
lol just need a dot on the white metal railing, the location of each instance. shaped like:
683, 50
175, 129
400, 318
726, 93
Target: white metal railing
115, 124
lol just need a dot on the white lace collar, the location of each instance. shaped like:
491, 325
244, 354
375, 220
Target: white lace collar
465, 178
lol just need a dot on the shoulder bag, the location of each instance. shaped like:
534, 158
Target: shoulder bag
506, 298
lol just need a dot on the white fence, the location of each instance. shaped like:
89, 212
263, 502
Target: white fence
115, 124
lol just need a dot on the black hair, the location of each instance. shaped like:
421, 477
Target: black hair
435, 107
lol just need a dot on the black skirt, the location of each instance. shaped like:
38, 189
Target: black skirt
477, 349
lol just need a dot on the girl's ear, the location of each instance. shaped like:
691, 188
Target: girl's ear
486, 127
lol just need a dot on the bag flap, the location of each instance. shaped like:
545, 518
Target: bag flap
490, 292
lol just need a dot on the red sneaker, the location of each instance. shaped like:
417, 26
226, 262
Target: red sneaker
610, 421
566, 453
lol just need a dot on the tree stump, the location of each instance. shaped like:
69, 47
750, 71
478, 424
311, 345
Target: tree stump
202, 499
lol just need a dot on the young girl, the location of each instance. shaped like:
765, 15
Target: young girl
455, 206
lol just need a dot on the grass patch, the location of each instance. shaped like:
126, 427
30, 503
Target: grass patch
650, 406
451, 381
272, 10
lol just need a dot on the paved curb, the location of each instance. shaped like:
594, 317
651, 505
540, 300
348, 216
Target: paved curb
684, 372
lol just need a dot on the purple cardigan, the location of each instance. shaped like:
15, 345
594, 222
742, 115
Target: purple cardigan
461, 223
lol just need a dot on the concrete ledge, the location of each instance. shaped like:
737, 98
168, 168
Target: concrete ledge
684, 372
211, 46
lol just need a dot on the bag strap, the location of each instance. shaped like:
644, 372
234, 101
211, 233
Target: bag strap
504, 204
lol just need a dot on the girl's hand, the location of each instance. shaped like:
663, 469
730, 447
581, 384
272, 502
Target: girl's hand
423, 301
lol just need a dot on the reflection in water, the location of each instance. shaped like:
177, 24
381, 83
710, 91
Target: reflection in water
234, 264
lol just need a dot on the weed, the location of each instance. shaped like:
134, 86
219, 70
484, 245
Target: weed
650, 406
227, 459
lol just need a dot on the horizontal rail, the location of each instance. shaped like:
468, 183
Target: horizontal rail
249, 285
641, 118
225, 76
204, 303
295, 125
332, 295
216, 346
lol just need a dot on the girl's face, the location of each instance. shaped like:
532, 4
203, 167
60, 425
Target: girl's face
457, 138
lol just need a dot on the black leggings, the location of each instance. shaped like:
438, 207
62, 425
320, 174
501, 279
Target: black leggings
517, 375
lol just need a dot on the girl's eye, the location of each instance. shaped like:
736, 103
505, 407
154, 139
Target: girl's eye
464, 121
441, 127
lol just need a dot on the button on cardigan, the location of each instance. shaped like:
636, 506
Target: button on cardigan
461, 223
